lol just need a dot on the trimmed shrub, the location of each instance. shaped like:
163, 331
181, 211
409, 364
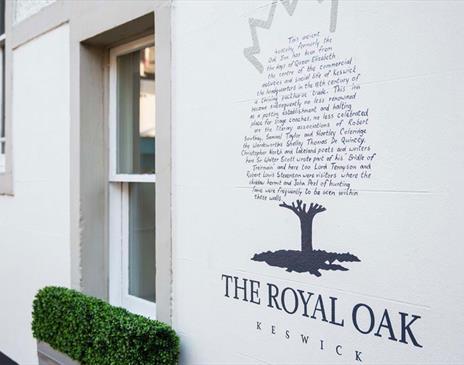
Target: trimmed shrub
93, 332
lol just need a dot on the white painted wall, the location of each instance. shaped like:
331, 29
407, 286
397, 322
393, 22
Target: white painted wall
23, 9
34, 224
406, 225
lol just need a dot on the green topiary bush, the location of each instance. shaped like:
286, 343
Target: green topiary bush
93, 332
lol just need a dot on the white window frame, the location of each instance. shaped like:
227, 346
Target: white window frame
6, 173
114, 53
119, 199
2, 100
2, 107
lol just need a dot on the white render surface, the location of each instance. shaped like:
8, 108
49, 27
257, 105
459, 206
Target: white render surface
405, 225
34, 223
25, 8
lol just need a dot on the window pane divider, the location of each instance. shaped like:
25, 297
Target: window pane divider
143, 178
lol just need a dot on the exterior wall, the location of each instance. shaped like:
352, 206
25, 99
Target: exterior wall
34, 224
403, 225
24, 9
53, 228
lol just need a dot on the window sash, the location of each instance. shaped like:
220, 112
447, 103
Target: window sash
139, 305
114, 176
2, 107
119, 254
119, 198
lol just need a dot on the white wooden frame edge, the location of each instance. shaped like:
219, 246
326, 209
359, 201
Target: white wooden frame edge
119, 199
112, 118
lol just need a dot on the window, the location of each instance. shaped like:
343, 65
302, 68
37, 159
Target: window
2, 89
2, 110
132, 176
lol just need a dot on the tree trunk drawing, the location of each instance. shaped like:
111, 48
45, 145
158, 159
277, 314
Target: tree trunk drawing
306, 217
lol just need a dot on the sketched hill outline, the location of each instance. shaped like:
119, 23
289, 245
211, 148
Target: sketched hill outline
254, 23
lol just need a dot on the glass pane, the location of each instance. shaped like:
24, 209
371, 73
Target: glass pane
136, 112
2, 16
2, 101
142, 269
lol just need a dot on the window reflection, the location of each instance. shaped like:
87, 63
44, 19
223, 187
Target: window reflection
142, 272
136, 112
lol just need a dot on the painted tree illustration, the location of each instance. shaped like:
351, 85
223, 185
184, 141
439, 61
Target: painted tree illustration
306, 217
307, 259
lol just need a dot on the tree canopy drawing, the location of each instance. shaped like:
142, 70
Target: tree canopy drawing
307, 259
